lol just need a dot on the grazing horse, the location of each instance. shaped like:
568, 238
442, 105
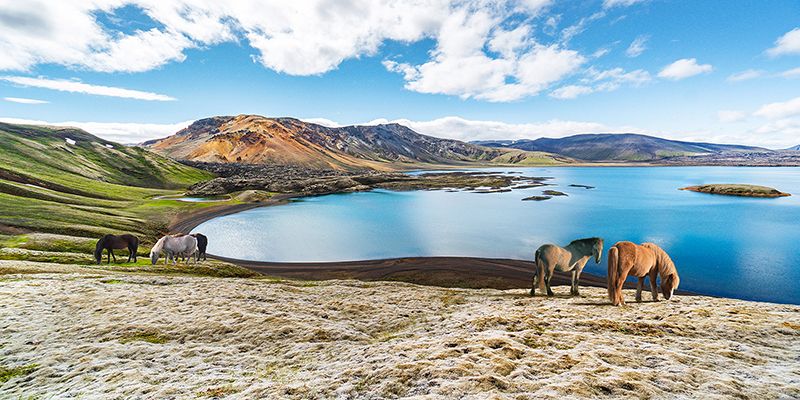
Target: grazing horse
645, 260
573, 258
202, 244
112, 242
174, 246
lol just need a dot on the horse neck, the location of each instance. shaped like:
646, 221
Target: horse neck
580, 248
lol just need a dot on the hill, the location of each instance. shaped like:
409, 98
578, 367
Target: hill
253, 139
65, 180
794, 148
617, 147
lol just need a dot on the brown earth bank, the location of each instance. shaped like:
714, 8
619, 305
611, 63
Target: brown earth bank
106, 335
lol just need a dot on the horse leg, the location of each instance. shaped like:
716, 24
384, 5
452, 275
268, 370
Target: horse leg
112, 255
578, 281
108, 256
639, 286
573, 288
653, 285
533, 281
547, 276
620, 285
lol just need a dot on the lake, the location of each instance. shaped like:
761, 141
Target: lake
744, 248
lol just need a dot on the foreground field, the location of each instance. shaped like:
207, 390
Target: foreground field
118, 335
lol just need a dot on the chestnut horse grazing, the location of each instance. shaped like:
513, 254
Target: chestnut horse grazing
642, 261
114, 242
573, 258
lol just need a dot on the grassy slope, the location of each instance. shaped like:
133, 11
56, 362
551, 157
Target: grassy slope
86, 189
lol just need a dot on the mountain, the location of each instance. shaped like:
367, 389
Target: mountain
255, 139
618, 147
55, 155
65, 180
795, 148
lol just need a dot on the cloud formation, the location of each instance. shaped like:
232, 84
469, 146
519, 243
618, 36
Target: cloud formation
22, 100
637, 47
746, 75
684, 68
789, 43
80, 87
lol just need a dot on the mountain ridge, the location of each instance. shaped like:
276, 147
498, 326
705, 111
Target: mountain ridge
618, 147
256, 139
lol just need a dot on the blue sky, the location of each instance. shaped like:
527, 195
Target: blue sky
719, 71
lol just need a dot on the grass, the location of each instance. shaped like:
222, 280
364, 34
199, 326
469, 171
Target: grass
87, 189
149, 336
7, 373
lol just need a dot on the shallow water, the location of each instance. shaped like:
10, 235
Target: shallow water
729, 246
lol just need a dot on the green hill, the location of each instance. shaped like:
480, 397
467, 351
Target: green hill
65, 180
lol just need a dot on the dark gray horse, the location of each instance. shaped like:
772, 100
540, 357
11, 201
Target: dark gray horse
202, 244
112, 242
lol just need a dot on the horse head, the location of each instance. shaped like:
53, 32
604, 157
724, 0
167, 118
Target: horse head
597, 250
98, 249
155, 252
668, 284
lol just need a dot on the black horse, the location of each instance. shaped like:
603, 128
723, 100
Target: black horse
202, 243
111, 242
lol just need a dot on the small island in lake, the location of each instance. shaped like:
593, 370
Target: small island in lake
737, 190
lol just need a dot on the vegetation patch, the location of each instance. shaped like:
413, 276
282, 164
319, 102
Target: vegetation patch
149, 336
7, 373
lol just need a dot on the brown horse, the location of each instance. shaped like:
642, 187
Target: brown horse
111, 242
642, 261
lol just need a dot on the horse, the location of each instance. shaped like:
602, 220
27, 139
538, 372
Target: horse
645, 260
202, 244
173, 246
111, 242
573, 258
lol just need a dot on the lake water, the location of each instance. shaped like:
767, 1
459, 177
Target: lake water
729, 246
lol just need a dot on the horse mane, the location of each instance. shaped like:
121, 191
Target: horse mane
664, 262
158, 246
590, 241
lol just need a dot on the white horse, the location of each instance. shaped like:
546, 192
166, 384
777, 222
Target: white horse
173, 246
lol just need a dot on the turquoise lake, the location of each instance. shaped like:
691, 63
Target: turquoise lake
737, 247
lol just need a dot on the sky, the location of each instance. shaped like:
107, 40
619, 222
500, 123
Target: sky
716, 71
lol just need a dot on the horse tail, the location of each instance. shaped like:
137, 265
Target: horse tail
540, 269
613, 272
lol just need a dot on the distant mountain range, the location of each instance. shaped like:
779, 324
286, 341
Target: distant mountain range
795, 148
259, 140
617, 147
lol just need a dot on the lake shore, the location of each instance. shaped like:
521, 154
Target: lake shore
118, 335
457, 272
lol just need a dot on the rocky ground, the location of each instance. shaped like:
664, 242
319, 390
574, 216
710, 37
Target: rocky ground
306, 181
117, 335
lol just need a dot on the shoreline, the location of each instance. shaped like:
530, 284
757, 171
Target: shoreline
440, 271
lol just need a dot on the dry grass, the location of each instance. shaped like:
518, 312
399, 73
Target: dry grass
141, 336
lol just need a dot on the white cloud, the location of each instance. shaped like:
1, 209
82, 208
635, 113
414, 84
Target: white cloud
780, 109
620, 3
789, 43
684, 68
746, 75
638, 46
22, 100
517, 67
463, 129
121, 132
728, 116
792, 73
483, 49
80, 87
602, 81
571, 91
